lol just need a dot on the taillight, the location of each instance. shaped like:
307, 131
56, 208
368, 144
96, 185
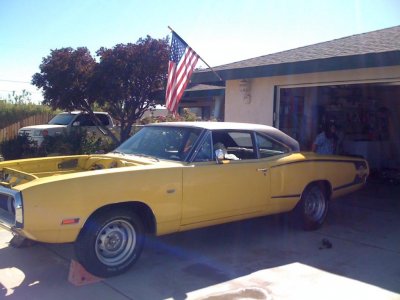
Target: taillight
45, 133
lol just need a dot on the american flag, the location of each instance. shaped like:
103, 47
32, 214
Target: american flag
182, 61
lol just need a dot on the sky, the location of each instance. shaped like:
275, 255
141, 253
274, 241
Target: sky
220, 31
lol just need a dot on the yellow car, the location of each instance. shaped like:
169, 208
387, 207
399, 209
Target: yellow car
168, 177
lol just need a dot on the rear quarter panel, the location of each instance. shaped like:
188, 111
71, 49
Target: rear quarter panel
291, 175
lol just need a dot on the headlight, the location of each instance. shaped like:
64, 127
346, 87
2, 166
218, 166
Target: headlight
19, 210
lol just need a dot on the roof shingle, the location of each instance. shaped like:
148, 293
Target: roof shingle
379, 41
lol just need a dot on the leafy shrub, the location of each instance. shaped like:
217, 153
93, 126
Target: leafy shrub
19, 147
64, 144
94, 144
75, 142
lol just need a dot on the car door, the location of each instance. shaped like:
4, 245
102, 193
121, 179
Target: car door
213, 191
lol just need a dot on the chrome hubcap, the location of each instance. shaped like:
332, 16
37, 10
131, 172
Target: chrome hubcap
315, 205
116, 242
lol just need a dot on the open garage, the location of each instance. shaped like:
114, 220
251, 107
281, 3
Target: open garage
365, 114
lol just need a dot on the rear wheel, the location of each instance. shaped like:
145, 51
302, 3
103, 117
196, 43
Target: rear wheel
110, 242
313, 207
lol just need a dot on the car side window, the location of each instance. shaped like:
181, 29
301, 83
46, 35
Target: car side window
268, 147
238, 145
84, 120
104, 120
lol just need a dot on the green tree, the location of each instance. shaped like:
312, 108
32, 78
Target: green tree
64, 77
128, 78
125, 82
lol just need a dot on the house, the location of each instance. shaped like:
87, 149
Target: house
353, 81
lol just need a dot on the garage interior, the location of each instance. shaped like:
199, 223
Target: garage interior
366, 115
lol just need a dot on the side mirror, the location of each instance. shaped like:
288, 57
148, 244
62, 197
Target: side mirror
219, 155
76, 124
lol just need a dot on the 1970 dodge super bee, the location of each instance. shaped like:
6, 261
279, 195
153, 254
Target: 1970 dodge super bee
167, 178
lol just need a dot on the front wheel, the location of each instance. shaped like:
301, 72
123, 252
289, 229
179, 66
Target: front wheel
313, 207
110, 242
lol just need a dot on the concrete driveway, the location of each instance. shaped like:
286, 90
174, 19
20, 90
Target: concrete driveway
262, 258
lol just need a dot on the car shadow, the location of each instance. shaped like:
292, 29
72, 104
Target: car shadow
359, 241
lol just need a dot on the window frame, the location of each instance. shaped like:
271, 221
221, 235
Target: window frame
268, 137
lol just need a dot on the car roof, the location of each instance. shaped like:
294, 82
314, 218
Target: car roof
269, 130
216, 125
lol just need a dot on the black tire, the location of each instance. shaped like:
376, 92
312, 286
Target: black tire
313, 207
110, 242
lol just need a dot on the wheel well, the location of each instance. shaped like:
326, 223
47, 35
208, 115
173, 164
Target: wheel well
325, 186
143, 211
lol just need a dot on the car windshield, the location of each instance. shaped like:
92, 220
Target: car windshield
62, 119
161, 142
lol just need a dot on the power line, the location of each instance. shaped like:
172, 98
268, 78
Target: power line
14, 81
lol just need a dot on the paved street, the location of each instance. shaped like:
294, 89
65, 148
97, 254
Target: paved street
262, 258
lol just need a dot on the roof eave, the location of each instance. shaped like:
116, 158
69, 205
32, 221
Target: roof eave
204, 93
369, 60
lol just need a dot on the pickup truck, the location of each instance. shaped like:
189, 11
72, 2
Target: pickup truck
64, 122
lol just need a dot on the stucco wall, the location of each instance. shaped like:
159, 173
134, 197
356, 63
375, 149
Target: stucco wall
260, 107
259, 110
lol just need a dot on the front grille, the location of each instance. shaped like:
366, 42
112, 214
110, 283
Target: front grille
6, 203
25, 132
11, 210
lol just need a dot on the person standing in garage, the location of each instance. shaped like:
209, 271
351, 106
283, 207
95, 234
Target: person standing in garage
326, 141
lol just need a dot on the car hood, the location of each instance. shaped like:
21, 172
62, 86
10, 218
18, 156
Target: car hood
27, 172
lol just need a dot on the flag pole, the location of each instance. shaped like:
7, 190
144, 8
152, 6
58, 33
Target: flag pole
199, 56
